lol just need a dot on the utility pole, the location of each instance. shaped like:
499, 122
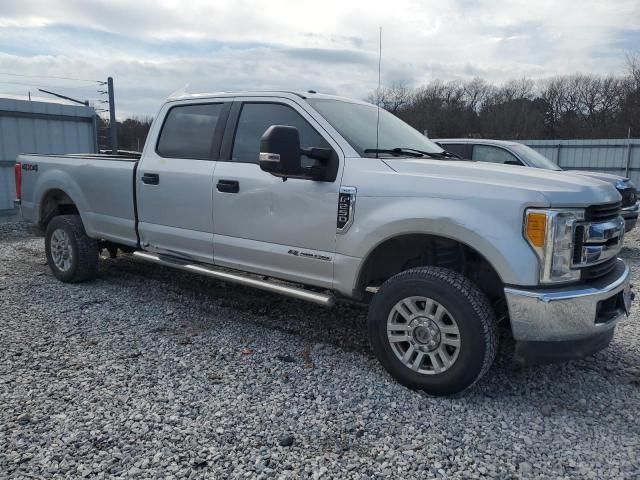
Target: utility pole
113, 126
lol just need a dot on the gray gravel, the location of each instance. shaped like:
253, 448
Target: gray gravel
151, 373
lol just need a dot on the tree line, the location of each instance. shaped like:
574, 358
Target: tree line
132, 133
572, 106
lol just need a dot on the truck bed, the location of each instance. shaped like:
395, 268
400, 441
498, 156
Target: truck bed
100, 185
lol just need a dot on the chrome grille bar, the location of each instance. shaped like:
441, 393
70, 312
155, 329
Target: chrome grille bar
597, 242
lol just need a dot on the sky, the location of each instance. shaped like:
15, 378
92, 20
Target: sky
154, 48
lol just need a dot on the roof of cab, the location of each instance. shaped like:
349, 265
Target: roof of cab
265, 93
486, 141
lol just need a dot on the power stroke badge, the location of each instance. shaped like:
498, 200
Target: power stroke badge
346, 207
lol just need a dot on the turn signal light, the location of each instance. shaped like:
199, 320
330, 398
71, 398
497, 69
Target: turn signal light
536, 228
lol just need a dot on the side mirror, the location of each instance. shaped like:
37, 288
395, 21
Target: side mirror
281, 155
513, 162
280, 151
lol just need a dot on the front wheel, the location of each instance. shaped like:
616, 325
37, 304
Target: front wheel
71, 254
433, 330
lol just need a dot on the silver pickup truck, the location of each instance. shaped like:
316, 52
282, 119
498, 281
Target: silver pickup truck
325, 198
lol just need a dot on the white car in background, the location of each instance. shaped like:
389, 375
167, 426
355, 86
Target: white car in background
514, 153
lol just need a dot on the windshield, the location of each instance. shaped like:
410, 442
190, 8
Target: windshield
356, 122
533, 158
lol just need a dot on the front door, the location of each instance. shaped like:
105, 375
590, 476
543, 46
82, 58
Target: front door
264, 224
174, 181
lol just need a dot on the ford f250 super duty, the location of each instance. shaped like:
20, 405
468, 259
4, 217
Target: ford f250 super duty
325, 198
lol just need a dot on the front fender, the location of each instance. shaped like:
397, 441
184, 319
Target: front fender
494, 230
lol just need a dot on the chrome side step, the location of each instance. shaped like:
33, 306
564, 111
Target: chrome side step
326, 300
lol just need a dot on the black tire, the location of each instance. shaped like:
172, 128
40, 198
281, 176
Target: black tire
84, 250
464, 301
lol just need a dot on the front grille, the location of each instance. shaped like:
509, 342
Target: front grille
597, 271
629, 196
594, 215
602, 213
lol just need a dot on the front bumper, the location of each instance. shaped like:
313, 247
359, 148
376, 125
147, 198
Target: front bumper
538, 353
630, 215
584, 314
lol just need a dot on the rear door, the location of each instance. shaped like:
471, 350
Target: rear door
264, 224
175, 177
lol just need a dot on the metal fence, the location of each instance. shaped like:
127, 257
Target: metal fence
616, 156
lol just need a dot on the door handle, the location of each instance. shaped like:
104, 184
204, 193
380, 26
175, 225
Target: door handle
151, 178
228, 186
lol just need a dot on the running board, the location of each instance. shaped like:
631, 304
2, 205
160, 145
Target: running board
326, 300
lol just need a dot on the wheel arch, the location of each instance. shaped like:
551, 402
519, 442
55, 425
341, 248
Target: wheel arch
405, 251
55, 201
413, 240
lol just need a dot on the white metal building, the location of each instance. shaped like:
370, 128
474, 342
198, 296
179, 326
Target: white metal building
40, 126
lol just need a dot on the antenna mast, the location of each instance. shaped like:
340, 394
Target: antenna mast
379, 91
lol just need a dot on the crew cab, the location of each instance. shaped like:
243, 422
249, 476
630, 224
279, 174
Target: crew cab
515, 153
325, 198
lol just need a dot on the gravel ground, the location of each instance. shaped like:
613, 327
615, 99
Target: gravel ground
152, 373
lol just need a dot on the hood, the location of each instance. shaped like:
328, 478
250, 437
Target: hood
511, 182
605, 177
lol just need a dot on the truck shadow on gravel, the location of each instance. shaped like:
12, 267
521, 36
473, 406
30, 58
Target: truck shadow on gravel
344, 325
199, 300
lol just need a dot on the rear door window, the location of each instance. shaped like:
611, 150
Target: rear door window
188, 131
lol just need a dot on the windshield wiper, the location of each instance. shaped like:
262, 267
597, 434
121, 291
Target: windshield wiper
442, 154
395, 151
446, 154
413, 152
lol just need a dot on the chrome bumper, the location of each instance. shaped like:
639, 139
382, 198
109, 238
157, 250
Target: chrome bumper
630, 215
570, 313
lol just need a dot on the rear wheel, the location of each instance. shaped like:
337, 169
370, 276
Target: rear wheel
433, 330
72, 255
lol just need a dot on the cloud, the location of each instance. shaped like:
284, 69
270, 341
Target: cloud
327, 55
154, 48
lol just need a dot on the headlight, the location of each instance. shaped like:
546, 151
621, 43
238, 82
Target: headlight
623, 186
550, 234
623, 183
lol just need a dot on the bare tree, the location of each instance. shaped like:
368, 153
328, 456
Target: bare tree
575, 106
633, 67
477, 91
391, 98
